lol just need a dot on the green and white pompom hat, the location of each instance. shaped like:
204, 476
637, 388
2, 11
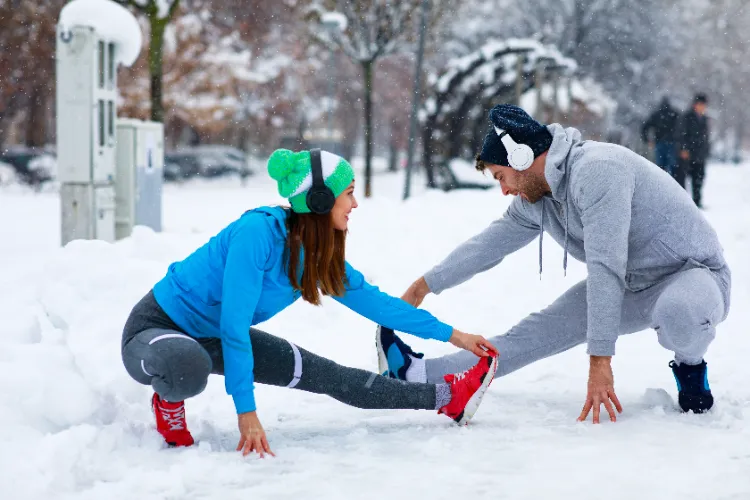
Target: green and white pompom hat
292, 172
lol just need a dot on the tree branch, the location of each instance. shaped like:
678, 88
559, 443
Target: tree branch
173, 9
131, 3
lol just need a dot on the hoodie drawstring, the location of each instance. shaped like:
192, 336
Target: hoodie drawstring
565, 246
541, 236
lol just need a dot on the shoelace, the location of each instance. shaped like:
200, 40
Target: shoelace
462, 375
465, 373
175, 418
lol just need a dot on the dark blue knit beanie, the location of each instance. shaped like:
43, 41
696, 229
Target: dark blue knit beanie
520, 126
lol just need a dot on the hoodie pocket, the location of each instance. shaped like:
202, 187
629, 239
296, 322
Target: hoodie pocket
658, 263
666, 252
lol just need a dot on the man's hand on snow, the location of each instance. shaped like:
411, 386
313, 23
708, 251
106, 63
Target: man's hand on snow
601, 389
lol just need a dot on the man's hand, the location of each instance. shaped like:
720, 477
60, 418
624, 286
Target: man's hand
685, 154
473, 343
601, 389
416, 293
252, 435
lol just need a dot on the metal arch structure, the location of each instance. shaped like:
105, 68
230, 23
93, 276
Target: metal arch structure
454, 117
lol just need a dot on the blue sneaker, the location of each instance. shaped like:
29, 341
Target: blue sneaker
394, 357
694, 394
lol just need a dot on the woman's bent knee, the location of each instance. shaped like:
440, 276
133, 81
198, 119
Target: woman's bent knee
174, 364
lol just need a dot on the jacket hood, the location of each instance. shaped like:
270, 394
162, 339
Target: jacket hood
277, 216
556, 166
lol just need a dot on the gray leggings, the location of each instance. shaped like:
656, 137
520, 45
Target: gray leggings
177, 366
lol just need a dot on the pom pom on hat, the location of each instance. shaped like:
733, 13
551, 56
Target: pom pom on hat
280, 164
289, 170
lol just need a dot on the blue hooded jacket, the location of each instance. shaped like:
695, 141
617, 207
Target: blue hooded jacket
239, 279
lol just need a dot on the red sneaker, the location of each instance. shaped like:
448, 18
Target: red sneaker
170, 421
468, 388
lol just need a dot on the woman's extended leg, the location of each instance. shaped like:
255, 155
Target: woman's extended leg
281, 363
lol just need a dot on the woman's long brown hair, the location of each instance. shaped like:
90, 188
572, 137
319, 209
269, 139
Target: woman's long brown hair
323, 269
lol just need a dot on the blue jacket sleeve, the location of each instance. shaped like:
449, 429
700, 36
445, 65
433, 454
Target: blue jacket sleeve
370, 302
249, 247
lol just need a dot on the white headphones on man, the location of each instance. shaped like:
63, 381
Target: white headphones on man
520, 156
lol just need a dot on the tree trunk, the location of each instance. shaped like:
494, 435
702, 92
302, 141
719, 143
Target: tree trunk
367, 67
393, 157
36, 123
427, 160
5, 119
155, 59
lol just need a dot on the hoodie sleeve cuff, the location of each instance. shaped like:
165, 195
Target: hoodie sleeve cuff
433, 282
601, 348
244, 401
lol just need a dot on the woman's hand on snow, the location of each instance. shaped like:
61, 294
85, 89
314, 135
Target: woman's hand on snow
472, 343
252, 435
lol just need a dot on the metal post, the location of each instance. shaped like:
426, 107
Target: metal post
519, 78
415, 100
556, 96
333, 28
332, 64
538, 83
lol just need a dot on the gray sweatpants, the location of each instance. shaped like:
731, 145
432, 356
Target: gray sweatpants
157, 353
684, 310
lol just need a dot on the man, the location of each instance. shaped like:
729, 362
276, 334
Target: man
663, 122
694, 147
653, 261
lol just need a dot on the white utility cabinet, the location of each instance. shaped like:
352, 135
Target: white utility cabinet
140, 174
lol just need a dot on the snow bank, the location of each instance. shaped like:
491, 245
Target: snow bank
73, 425
111, 20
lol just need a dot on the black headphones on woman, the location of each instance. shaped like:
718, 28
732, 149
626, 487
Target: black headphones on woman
320, 198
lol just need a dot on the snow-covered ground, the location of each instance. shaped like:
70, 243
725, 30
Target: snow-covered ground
74, 425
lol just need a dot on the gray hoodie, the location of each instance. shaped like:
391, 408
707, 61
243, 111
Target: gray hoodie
627, 219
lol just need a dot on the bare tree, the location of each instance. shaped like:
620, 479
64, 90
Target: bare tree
159, 13
374, 29
27, 63
12, 81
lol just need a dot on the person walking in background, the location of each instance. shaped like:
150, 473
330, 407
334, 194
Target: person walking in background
663, 122
694, 147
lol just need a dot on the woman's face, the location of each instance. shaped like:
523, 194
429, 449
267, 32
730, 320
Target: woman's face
345, 203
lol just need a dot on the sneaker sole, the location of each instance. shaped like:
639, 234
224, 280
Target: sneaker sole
382, 358
476, 399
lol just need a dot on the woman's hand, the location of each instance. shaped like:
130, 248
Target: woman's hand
472, 343
252, 435
416, 293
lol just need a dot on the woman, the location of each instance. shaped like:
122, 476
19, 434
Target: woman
197, 320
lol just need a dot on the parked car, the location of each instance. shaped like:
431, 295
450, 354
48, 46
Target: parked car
180, 166
33, 166
205, 161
